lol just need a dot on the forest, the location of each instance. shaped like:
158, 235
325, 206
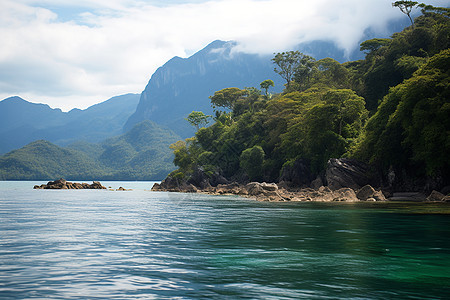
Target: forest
390, 110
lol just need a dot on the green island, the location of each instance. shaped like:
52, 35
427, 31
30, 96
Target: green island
370, 129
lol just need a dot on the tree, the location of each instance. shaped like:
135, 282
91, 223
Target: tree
439, 10
406, 8
291, 62
197, 119
374, 44
251, 161
227, 97
265, 85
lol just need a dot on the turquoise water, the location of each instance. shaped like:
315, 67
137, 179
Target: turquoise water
92, 244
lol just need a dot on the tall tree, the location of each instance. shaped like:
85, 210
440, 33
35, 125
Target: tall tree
197, 119
291, 63
406, 8
227, 97
265, 85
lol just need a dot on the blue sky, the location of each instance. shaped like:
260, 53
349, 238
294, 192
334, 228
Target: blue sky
77, 53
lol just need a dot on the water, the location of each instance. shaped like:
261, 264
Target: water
92, 244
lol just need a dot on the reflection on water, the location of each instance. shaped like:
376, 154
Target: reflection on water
141, 245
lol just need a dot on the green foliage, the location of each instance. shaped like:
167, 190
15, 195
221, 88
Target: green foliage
42, 160
226, 98
293, 64
374, 44
406, 8
265, 85
197, 119
390, 61
412, 125
251, 161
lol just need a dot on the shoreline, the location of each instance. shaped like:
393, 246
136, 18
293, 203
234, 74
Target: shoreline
273, 193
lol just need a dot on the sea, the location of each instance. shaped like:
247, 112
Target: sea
139, 244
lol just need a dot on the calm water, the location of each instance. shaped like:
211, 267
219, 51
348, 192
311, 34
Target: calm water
89, 244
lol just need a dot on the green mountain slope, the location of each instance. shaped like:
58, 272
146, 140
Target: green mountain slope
141, 154
42, 160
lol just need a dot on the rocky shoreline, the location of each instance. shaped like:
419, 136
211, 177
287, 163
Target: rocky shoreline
345, 181
62, 184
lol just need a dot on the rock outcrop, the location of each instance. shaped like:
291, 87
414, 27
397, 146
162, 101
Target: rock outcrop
62, 184
348, 173
298, 174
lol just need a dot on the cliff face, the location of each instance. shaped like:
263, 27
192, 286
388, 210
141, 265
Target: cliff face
183, 85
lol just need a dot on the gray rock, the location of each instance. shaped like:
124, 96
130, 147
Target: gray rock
347, 173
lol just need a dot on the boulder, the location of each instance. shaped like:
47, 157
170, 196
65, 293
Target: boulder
365, 193
254, 189
347, 173
345, 194
435, 196
378, 196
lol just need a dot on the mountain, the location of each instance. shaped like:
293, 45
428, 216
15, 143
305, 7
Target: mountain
184, 84
42, 160
22, 122
141, 154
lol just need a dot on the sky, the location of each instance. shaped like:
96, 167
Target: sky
73, 54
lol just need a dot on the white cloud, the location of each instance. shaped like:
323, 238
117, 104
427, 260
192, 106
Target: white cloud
112, 47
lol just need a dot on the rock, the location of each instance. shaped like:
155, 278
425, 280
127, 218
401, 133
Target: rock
365, 193
317, 183
324, 189
379, 196
345, 194
298, 174
408, 196
156, 187
269, 186
122, 189
254, 189
347, 173
62, 184
435, 196
97, 185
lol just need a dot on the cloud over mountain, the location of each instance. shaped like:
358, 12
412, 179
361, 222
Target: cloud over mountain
73, 54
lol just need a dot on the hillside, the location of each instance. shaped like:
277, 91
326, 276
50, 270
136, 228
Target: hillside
141, 154
42, 160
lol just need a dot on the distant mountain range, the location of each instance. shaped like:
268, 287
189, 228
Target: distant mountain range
141, 154
22, 122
